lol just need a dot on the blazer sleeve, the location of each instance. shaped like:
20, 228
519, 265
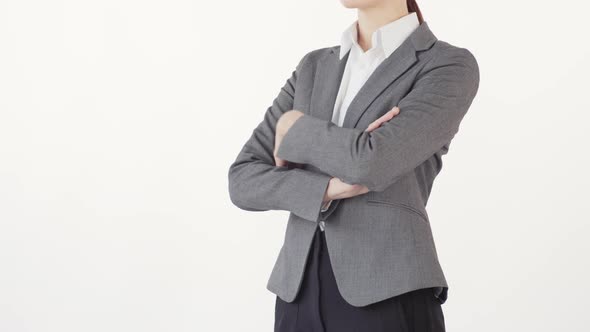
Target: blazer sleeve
429, 118
255, 182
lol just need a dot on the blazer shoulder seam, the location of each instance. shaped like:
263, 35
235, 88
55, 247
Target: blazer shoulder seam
315, 55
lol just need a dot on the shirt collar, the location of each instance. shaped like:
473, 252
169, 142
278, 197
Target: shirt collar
388, 37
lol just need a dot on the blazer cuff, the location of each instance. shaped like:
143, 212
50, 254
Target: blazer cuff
326, 206
300, 139
333, 205
308, 197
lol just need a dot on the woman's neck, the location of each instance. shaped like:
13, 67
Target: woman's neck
372, 18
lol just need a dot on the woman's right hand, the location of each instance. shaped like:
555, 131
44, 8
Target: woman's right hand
337, 189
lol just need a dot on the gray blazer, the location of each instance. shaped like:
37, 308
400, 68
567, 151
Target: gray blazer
380, 243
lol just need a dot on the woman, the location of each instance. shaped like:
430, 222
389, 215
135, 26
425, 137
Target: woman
351, 147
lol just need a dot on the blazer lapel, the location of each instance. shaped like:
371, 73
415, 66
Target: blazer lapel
327, 83
387, 72
331, 69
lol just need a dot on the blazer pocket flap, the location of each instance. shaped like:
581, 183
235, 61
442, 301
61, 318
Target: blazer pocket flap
373, 198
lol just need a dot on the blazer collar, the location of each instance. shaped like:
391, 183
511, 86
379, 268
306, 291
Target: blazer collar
331, 68
387, 38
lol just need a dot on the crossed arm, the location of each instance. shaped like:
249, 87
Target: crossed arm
257, 184
429, 118
337, 189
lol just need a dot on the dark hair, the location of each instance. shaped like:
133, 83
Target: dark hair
413, 7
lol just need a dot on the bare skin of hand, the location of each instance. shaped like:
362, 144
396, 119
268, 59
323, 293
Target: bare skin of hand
337, 189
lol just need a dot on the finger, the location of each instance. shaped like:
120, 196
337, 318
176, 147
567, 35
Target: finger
372, 126
384, 118
388, 116
280, 162
375, 124
364, 190
380, 120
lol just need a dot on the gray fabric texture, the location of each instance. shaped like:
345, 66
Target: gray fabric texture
380, 243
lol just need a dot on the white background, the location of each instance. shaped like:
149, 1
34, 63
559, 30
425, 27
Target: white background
119, 120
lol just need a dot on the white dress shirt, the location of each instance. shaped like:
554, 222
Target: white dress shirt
360, 65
